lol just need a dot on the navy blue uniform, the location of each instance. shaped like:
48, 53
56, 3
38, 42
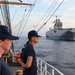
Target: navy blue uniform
4, 68
29, 51
21, 53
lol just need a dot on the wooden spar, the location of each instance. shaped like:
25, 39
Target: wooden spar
15, 3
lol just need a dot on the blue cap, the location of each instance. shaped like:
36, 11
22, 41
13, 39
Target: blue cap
4, 33
33, 33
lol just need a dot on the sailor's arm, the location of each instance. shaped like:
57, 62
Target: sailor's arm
28, 63
20, 61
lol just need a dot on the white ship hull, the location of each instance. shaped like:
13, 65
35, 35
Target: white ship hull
61, 34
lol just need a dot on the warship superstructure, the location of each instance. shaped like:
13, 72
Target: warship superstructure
59, 33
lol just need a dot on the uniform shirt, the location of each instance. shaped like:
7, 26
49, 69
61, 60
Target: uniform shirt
29, 51
21, 53
4, 68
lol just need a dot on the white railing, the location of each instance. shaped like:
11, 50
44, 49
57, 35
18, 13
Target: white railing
46, 69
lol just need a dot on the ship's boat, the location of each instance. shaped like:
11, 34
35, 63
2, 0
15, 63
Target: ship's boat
59, 33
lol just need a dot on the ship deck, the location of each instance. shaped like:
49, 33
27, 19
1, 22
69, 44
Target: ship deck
43, 68
14, 68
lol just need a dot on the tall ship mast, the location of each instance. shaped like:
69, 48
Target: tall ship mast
4, 5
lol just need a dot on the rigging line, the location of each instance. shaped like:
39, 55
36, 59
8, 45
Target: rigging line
50, 17
7, 16
25, 39
21, 20
23, 28
0, 16
34, 2
55, 10
14, 15
16, 25
26, 15
26, 21
0, 12
20, 35
3, 16
22, 44
21, 31
21, 23
49, 13
45, 13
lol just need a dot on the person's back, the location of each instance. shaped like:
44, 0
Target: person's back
4, 68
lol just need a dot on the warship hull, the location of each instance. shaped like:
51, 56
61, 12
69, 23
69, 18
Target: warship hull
63, 34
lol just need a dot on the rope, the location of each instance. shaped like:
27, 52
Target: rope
24, 27
21, 24
45, 14
49, 17
14, 15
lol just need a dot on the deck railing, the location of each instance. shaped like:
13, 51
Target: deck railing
46, 69
43, 67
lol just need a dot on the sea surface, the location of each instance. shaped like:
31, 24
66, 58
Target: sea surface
60, 54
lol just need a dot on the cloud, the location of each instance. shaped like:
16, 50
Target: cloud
46, 1
72, 8
61, 0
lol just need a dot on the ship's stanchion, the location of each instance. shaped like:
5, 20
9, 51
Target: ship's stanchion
52, 71
6, 58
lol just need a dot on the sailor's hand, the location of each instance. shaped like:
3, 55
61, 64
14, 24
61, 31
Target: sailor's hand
23, 66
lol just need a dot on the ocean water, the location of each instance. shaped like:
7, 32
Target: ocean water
60, 54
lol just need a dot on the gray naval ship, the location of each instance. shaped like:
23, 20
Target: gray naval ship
59, 33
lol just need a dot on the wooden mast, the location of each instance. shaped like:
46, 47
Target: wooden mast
15, 3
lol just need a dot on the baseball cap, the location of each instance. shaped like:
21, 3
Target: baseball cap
33, 33
4, 33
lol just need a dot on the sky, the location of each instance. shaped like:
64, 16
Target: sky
66, 13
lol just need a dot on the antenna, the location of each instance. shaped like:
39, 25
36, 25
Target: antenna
56, 17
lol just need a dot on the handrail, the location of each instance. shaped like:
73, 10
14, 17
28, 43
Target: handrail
43, 68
